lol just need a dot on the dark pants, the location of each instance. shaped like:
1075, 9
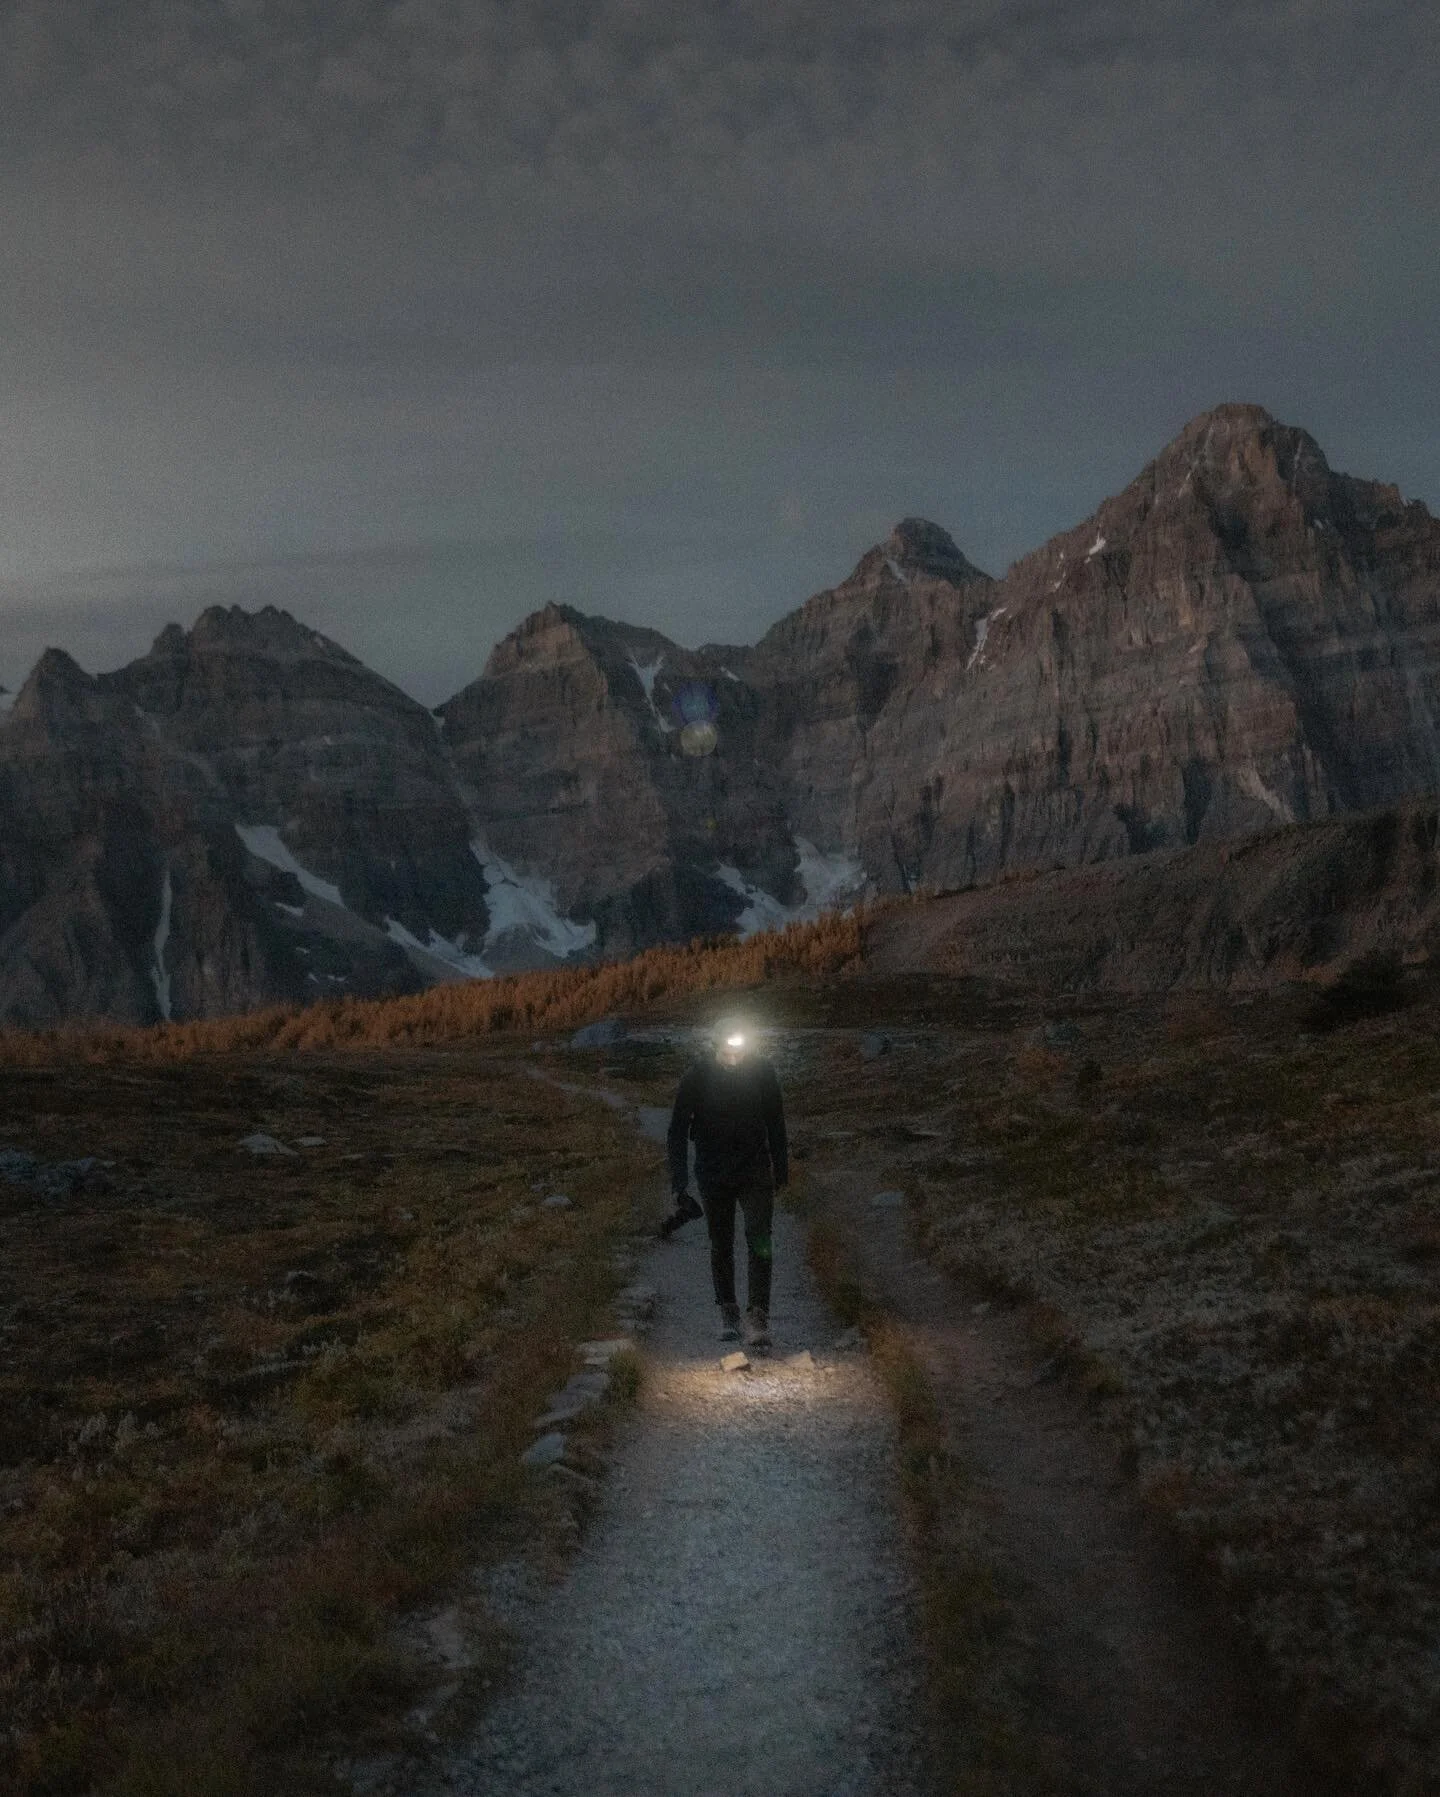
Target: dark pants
756, 1199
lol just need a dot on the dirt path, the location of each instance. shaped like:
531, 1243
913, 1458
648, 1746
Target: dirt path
1140, 1694
739, 1618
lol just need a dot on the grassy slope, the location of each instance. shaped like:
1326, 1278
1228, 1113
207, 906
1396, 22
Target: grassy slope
1222, 1216
253, 1410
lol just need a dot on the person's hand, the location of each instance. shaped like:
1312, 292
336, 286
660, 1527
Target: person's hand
685, 1211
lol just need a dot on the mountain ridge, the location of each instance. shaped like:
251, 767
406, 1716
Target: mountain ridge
1239, 638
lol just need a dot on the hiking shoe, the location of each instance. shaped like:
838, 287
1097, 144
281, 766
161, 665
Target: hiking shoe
730, 1323
757, 1329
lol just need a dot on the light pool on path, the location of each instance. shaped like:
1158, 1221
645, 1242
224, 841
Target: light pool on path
739, 1619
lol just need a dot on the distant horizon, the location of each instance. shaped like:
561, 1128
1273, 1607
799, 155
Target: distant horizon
199, 587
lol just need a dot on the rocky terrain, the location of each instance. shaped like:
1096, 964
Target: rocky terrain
1240, 641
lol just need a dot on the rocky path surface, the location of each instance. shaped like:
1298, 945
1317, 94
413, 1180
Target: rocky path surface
739, 1619
1141, 1694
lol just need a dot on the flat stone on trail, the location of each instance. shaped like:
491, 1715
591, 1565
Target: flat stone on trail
802, 1362
735, 1363
557, 1201
888, 1200
546, 1451
602, 1353
260, 1143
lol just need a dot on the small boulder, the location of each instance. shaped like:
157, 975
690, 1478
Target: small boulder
557, 1201
604, 1034
887, 1200
735, 1363
638, 1300
259, 1143
872, 1046
545, 1452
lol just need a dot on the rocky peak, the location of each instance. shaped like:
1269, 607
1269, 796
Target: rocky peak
921, 547
914, 550
57, 691
548, 638
269, 632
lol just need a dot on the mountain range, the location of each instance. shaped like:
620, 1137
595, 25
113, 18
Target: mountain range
1241, 639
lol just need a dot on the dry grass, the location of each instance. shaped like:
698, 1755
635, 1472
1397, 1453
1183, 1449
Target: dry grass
253, 1412
1221, 1216
531, 1003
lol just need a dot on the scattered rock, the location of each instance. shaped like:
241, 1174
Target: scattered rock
600, 1354
604, 1034
53, 1179
557, 1201
569, 1475
260, 1143
545, 1452
887, 1200
638, 1300
872, 1046
735, 1363
578, 1394
309, 1141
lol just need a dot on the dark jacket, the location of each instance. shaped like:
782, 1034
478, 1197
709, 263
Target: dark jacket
737, 1122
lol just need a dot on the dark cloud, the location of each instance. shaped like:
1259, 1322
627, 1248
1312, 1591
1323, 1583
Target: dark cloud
665, 307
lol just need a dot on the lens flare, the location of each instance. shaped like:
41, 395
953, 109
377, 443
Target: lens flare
699, 739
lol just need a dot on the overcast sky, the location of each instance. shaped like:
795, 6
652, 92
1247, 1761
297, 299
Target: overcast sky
413, 316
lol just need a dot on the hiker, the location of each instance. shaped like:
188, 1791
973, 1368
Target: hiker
729, 1104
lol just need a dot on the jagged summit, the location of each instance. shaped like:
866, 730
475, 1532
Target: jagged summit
926, 548
1239, 637
56, 684
915, 549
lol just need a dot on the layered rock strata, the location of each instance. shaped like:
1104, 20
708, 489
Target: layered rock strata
1240, 640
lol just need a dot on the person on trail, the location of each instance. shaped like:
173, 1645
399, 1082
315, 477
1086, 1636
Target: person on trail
729, 1104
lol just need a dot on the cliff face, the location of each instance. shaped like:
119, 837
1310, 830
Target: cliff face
245, 814
624, 770
1241, 639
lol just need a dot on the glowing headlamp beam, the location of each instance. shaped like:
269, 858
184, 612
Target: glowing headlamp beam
734, 1041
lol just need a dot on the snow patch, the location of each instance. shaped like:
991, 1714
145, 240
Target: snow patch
982, 632
526, 903
729, 676
828, 880
646, 676
263, 842
1249, 782
440, 948
1096, 546
159, 973
289, 910
897, 570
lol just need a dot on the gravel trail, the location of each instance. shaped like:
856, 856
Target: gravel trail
1141, 1691
739, 1618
